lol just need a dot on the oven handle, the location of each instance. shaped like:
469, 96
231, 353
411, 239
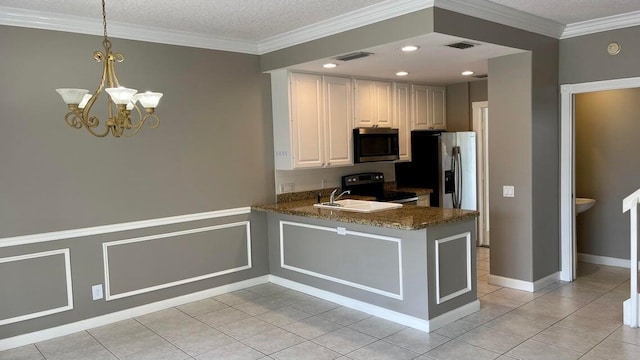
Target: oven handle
407, 200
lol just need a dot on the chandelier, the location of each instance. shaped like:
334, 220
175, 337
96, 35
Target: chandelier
121, 101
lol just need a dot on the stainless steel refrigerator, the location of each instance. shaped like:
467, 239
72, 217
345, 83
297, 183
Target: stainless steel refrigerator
444, 162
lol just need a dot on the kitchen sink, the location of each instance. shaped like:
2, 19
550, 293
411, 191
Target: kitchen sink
358, 205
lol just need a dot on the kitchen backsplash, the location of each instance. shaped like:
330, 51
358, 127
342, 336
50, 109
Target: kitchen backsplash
312, 179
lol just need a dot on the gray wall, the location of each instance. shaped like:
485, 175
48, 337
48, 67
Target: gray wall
478, 91
606, 154
458, 107
510, 152
585, 58
537, 244
460, 98
212, 151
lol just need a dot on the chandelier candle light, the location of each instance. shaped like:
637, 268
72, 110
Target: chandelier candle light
121, 101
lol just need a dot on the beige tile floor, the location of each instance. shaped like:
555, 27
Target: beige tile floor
579, 320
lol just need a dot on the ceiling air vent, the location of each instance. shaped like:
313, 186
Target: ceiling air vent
483, 76
353, 56
462, 45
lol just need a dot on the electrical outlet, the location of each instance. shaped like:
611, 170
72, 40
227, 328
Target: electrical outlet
324, 183
96, 292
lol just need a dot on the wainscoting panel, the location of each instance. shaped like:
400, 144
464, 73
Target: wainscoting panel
364, 261
143, 264
35, 285
453, 276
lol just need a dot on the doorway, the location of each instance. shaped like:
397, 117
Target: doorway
481, 127
568, 248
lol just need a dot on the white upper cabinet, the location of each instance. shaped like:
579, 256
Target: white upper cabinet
402, 118
373, 103
312, 120
338, 121
429, 105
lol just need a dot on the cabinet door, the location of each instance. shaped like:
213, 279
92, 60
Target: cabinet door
307, 114
438, 104
421, 114
382, 104
402, 104
365, 97
338, 121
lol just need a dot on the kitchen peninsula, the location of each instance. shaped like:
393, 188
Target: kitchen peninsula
413, 265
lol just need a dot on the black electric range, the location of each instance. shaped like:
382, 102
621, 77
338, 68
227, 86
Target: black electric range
372, 184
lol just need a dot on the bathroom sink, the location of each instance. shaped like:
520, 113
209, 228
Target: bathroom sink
583, 204
363, 206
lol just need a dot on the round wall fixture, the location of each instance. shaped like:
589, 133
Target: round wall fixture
613, 48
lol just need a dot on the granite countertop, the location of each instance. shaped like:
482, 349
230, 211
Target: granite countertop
408, 217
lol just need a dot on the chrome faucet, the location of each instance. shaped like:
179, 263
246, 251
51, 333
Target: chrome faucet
333, 197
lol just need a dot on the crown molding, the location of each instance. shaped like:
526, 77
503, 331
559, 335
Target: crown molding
352, 20
602, 24
501, 14
482, 9
77, 24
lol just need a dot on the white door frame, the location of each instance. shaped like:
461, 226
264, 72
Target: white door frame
480, 117
567, 165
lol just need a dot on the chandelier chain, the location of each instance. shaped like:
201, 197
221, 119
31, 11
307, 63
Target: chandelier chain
106, 43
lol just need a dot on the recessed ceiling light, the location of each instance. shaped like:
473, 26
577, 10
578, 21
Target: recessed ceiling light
329, 65
467, 73
409, 48
402, 73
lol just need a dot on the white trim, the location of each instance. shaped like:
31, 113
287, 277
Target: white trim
105, 229
344, 231
524, 285
501, 14
407, 320
605, 260
465, 236
602, 24
105, 254
67, 268
567, 208
42, 335
511, 283
453, 315
480, 120
82, 25
546, 281
352, 20
481, 9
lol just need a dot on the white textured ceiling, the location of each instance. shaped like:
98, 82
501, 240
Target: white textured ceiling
572, 11
257, 20
252, 20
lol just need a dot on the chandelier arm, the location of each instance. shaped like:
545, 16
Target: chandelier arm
73, 119
151, 120
94, 124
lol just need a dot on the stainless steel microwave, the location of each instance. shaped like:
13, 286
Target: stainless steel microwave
375, 144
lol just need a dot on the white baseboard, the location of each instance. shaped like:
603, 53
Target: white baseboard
605, 260
403, 319
82, 325
530, 286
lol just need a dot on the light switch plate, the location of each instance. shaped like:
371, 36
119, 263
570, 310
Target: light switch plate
508, 191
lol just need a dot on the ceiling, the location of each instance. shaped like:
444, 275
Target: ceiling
259, 26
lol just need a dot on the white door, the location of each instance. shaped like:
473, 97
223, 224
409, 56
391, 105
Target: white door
481, 127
